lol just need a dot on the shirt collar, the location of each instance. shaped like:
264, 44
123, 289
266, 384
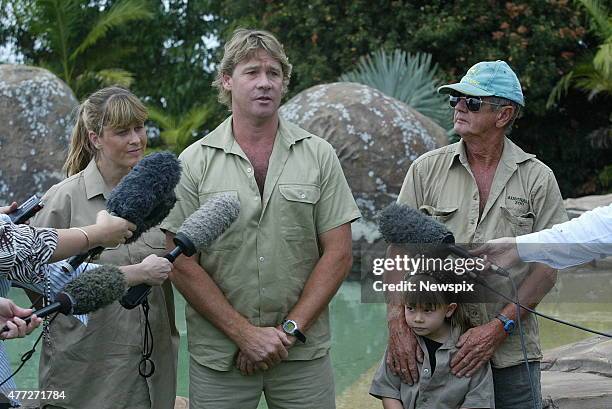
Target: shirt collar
223, 137
94, 182
455, 333
511, 154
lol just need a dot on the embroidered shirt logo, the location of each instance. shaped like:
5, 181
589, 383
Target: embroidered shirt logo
518, 201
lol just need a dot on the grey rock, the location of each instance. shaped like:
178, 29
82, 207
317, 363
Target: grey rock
35, 112
376, 138
576, 206
578, 375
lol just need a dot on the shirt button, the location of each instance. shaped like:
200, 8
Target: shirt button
302, 196
256, 197
426, 371
249, 170
261, 259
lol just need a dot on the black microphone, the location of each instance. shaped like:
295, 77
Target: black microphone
401, 224
144, 197
197, 232
90, 291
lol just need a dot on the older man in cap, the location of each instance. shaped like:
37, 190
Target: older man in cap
484, 187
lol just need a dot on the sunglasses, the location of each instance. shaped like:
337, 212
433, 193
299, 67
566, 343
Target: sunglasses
473, 103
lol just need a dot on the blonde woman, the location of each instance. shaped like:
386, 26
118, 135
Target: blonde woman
97, 366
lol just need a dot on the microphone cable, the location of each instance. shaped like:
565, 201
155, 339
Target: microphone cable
146, 367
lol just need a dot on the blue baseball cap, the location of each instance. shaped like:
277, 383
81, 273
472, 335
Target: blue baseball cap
489, 79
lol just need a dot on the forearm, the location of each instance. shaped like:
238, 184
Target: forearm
323, 283
540, 280
73, 241
389, 403
133, 274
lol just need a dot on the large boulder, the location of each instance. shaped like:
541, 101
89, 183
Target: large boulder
35, 109
376, 138
578, 375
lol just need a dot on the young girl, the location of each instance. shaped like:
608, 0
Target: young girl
437, 322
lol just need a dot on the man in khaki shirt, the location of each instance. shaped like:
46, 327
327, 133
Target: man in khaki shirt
481, 188
257, 316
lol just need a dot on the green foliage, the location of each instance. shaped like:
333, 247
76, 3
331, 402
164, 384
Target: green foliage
178, 132
605, 178
593, 73
410, 78
68, 38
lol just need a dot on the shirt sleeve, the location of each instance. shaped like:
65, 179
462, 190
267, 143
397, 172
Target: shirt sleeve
385, 383
28, 249
577, 241
547, 203
56, 212
480, 394
187, 201
336, 205
411, 193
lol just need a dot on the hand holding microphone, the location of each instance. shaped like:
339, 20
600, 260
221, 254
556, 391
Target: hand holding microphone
92, 290
12, 316
110, 231
8, 209
153, 270
502, 252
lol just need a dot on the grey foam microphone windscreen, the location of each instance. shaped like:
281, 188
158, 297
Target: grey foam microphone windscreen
209, 222
401, 224
96, 288
145, 195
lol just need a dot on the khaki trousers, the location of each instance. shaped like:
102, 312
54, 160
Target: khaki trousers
288, 385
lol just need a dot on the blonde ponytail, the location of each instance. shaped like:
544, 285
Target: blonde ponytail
80, 152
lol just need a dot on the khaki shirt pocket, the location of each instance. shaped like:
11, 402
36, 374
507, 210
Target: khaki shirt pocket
520, 222
154, 239
441, 214
230, 239
297, 210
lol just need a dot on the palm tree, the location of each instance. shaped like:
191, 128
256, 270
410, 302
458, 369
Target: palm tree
82, 61
178, 132
407, 77
593, 73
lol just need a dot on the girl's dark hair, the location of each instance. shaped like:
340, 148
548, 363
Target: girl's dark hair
421, 296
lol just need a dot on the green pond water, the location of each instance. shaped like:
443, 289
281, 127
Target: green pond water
359, 330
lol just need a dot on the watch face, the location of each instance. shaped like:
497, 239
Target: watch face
289, 326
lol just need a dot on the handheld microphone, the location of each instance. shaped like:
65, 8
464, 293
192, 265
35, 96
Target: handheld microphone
401, 224
197, 232
92, 290
144, 197
26, 210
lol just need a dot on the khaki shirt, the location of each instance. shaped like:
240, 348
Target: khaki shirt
261, 263
442, 390
97, 365
524, 198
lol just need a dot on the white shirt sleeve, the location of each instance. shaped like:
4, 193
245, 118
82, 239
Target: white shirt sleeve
58, 278
574, 242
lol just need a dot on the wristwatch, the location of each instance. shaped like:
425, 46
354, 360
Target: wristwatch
506, 322
290, 327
